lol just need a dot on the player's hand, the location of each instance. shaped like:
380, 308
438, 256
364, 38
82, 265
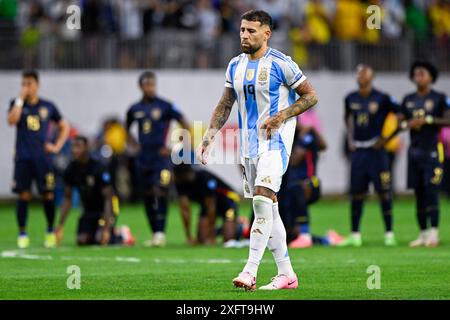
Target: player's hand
191, 242
59, 232
23, 93
52, 148
272, 124
416, 124
105, 236
165, 152
351, 147
202, 152
380, 144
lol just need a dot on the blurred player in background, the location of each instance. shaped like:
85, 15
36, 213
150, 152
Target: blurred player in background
424, 112
366, 111
100, 205
32, 115
263, 81
301, 188
216, 199
153, 116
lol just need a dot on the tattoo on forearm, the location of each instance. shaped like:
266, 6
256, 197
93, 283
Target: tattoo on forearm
220, 115
301, 105
308, 99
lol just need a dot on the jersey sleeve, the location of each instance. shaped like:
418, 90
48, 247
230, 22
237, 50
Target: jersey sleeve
56, 115
103, 176
230, 72
392, 104
347, 110
293, 76
68, 174
403, 109
129, 118
444, 104
208, 184
11, 105
174, 113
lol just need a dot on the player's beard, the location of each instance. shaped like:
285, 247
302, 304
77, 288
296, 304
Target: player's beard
251, 49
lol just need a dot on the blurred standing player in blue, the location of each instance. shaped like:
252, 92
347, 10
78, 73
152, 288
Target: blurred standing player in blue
263, 82
153, 116
424, 112
32, 116
365, 113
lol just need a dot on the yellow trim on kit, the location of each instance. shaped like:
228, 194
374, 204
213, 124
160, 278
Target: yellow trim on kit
440, 148
233, 196
115, 205
315, 181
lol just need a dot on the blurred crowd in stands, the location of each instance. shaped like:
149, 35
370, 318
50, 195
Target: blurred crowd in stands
305, 26
318, 20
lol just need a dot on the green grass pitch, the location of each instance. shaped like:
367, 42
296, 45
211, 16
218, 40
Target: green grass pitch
182, 272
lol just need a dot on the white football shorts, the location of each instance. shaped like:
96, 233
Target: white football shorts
265, 171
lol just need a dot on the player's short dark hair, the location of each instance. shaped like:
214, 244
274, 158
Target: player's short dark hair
82, 139
31, 74
258, 15
424, 64
146, 75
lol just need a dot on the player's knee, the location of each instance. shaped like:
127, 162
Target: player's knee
48, 196
385, 196
82, 239
150, 192
263, 207
161, 192
25, 196
358, 196
265, 192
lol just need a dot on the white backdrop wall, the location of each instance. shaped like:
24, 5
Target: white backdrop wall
87, 97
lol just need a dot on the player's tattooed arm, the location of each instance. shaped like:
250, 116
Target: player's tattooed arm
220, 115
218, 119
308, 98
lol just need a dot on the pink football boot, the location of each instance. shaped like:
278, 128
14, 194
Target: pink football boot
281, 282
302, 241
245, 280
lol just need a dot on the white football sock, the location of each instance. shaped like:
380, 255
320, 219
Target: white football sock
260, 232
277, 244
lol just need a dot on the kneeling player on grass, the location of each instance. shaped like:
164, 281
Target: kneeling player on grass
301, 188
32, 116
366, 111
216, 198
100, 205
425, 112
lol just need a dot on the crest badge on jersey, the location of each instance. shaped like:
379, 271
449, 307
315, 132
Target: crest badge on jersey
250, 74
373, 107
43, 113
156, 114
262, 76
90, 180
355, 106
139, 114
410, 104
429, 105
